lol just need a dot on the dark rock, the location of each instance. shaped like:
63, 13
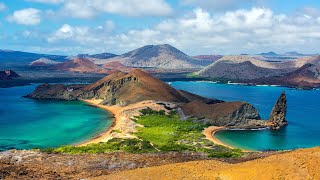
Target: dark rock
278, 113
232, 114
8, 75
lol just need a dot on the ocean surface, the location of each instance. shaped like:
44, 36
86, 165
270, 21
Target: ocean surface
27, 123
303, 114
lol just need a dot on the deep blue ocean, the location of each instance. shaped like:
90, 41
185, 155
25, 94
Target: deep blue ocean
303, 114
27, 123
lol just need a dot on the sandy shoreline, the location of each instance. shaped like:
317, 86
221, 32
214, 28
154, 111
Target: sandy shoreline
102, 137
211, 130
209, 133
123, 126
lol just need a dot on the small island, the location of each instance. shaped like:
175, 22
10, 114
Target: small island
146, 108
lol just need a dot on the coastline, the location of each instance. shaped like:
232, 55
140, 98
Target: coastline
122, 126
103, 137
211, 130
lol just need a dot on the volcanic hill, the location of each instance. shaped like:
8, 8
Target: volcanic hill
136, 86
81, 65
159, 56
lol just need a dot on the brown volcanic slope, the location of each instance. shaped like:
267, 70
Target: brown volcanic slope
81, 65
242, 68
119, 88
306, 76
299, 164
136, 86
116, 66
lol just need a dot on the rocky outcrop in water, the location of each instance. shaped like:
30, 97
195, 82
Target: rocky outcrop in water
278, 113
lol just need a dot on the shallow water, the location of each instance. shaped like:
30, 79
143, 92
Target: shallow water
303, 114
27, 123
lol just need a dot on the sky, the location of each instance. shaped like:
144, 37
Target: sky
197, 27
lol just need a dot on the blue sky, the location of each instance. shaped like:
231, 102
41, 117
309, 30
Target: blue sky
194, 26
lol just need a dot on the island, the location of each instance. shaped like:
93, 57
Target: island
126, 95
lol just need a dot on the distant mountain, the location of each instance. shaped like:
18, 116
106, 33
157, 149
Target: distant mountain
209, 58
306, 76
294, 53
269, 54
81, 65
43, 62
116, 66
241, 68
8, 75
25, 58
159, 56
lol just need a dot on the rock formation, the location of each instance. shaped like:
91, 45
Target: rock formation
119, 88
278, 113
231, 114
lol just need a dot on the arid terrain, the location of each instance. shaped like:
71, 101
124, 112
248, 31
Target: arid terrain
298, 164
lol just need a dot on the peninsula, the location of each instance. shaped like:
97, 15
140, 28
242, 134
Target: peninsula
127, 94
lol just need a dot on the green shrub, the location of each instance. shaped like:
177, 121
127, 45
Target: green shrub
159, 132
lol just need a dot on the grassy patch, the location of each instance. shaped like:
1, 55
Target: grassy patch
160, 132
193, 75
114, 145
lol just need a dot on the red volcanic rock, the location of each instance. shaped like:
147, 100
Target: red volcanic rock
116, 66
81, 65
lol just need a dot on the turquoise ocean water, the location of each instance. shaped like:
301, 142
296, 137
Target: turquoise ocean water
303, 115
27, 123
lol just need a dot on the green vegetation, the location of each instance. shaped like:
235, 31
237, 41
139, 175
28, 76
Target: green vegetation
113, 145
193, 75
160, 133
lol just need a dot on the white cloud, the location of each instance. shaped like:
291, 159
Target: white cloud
217, 5
29, 16
234, 32
81, 35
47, 1
2, 6
90, 8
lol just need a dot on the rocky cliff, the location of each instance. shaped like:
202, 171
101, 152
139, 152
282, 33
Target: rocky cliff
119, 88
278, 113
231, 114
